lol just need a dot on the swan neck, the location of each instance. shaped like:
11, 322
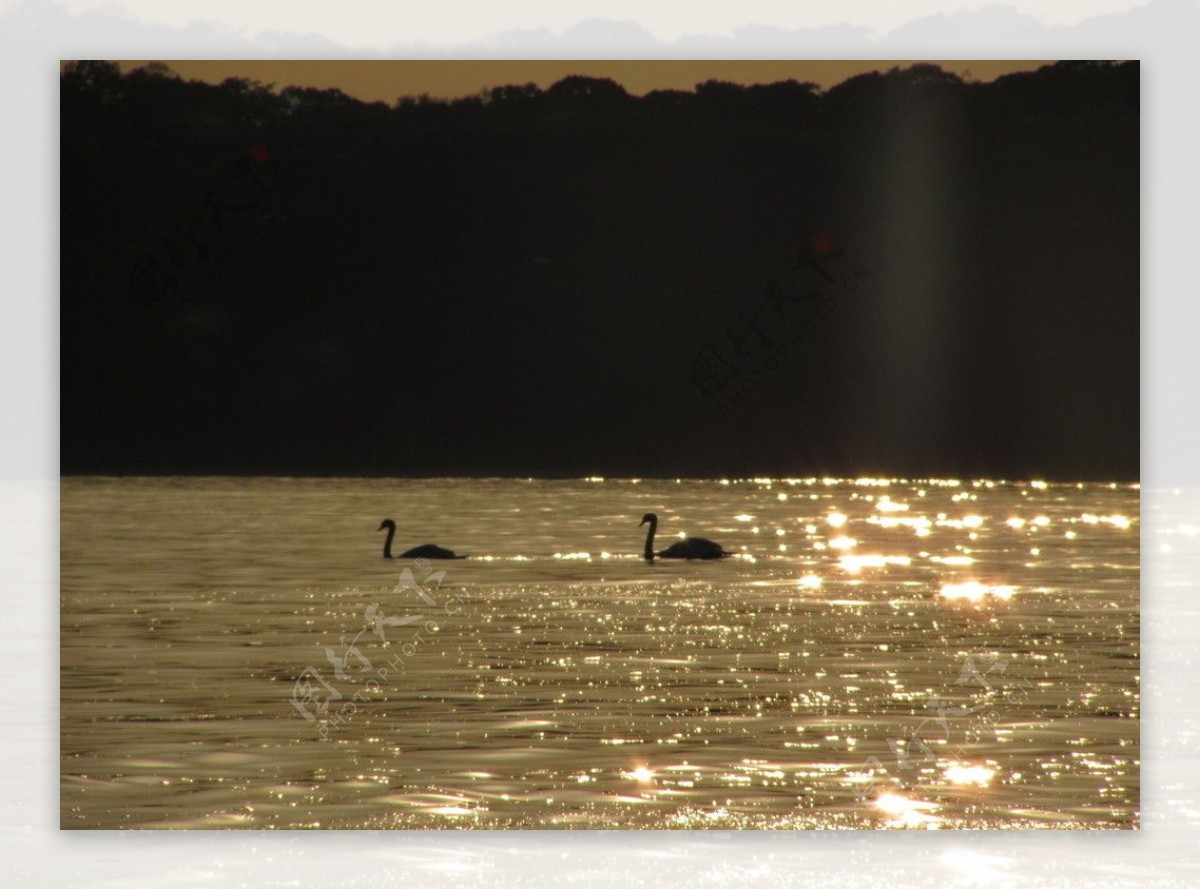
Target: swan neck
387, 545
650, 539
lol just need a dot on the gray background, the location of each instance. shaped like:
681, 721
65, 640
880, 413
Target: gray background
1163, 34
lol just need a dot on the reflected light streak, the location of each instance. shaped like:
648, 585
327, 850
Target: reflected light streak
641, 774
969, 774
906, 813
975, 591
855, 564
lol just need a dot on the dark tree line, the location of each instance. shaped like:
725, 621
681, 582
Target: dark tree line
290, 280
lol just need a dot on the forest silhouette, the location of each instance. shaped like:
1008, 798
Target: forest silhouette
292, 281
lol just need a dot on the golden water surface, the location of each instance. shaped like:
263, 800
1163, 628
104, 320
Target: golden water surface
235, 653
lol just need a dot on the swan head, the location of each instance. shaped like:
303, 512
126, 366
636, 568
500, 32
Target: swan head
387, 523
651, 518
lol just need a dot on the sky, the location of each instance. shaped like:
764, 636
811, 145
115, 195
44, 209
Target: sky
387, 80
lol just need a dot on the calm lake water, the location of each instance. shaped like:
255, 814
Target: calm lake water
879, 654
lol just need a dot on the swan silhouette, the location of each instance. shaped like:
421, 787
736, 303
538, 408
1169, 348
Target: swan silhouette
688, 548
428, 551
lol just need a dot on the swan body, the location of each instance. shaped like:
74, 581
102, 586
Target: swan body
430, 551
688, 548
426, 551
